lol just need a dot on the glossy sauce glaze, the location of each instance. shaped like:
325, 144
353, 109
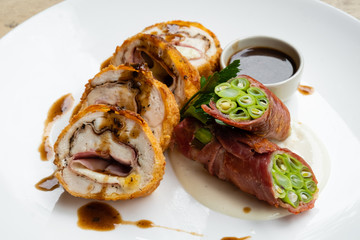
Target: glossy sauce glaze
100, 216
236, 238
57, 109
49, 183
265, 64
305, 90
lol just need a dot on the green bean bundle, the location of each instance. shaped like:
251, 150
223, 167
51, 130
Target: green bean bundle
293, 181
246, 102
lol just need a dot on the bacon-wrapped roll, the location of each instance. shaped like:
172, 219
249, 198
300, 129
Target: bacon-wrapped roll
254, 164
136, 90
197, 43
108, 154
247, 104
165, 62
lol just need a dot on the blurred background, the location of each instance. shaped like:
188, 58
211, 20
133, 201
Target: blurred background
14, 12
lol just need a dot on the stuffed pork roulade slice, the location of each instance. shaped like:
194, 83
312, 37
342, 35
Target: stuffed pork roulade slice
108, 154
195, 42
252, 163
247, 104
164, 61
136, 90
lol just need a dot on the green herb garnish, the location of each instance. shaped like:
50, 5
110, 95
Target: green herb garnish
192, 107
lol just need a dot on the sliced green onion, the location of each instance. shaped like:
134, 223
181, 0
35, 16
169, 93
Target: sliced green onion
282, 180
256, 92
240, 83
263, 101
291, 198
239, 114
296, 180
280, 163
246, 100
304, 195
279, 191
203, 135
256, 111
305, 173
225, 105
310, 185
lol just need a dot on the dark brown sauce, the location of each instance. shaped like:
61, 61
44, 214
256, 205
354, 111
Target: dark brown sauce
100, 216
265, 64
247, 209
305, 90
235, 238
47, 184
57, 109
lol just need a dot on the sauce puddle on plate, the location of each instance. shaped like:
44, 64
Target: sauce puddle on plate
100, 216
57, 109
236, 238
305, 90
47, 184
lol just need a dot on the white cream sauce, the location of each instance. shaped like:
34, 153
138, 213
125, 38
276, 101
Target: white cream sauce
225, 198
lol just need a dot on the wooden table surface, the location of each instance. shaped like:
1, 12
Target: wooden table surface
14, 12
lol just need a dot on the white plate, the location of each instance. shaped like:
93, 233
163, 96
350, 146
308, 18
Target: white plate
57, 51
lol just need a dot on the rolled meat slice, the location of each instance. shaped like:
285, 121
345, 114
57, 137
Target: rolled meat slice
247, 104
136, 90
108, 154
252, 163
164, 61
197, 43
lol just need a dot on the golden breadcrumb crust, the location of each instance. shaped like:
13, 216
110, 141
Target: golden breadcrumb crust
172, 115
213, 64
159, 159
167, 55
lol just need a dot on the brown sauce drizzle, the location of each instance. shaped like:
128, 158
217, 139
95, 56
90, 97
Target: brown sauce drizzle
305, 90
47, 184
235, 238
59, 108
247, 209
100, 216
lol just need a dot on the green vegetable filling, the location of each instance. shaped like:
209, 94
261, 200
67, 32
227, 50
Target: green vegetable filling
293, 182
240, 101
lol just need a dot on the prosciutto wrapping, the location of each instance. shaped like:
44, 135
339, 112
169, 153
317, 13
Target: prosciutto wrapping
274, 123
166, 63
195, 42
108, 154
254, 164
136, 90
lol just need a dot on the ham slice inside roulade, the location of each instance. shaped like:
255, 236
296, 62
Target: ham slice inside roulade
195, 42
125, 87
108, 154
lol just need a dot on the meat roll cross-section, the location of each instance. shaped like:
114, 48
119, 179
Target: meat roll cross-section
108, 154
136, 90
252, 163
164, 61
245, 103
194, 41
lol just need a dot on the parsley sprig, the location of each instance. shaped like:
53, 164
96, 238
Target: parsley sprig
193, 106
